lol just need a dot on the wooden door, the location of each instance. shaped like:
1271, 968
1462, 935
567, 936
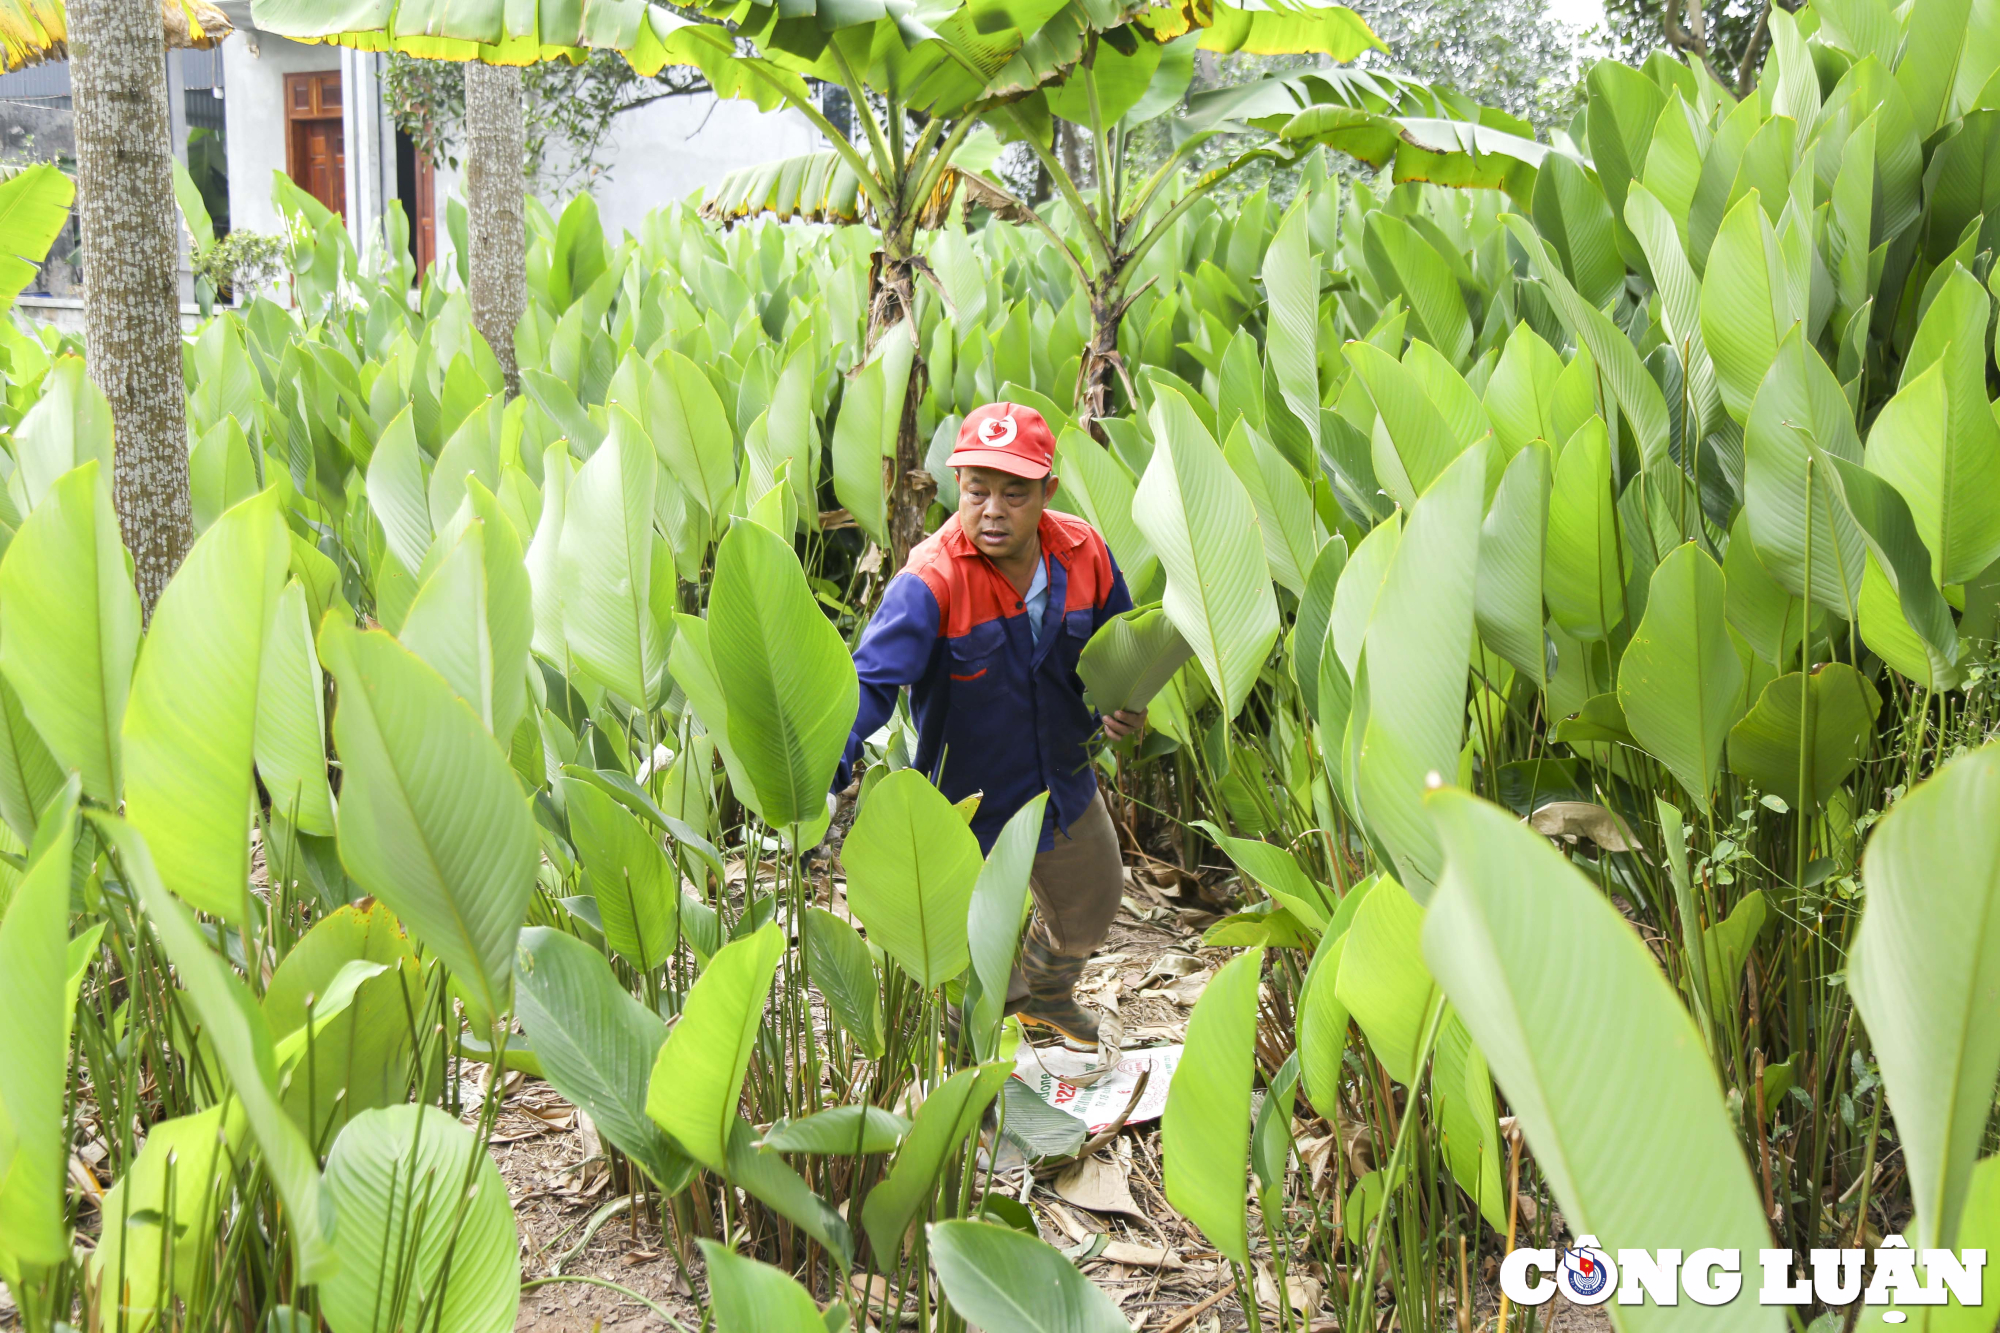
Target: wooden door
425, 225
316, 145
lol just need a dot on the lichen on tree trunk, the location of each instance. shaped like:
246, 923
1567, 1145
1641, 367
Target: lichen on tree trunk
496, 148
131, 281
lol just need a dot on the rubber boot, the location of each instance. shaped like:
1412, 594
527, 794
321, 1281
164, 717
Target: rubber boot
1051, 1002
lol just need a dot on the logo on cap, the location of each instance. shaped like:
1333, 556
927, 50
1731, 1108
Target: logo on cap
998, 432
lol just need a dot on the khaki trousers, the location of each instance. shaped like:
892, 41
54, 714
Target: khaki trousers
1077, 885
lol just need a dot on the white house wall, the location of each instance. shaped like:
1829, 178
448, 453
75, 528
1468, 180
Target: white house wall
254, 114
664, 151
671, 148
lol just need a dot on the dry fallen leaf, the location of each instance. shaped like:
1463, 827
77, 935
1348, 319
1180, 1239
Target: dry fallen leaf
1303, 1290
1098, 1184
1140, 1256
1571, 820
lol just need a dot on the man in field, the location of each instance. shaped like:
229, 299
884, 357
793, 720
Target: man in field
984, 626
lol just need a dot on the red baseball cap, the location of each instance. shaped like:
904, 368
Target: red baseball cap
1006, 437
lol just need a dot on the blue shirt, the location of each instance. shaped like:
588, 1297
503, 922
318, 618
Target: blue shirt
1037, 599
993, 686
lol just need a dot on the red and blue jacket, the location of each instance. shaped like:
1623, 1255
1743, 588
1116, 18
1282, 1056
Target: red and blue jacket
996, 712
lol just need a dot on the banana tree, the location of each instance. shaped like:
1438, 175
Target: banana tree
919, 83
1127, 76
497, 38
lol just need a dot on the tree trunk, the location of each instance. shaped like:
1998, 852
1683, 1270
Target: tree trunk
891, 297
496, 150
131, 252
1102, 367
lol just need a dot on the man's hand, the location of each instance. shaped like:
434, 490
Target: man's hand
1125, 722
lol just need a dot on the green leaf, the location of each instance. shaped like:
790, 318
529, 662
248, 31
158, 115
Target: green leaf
34, 1050
69, 627
1462, 1093
637, 890
1291, 285
1043, 1132
841, 1130
399, 491
698, 1076
414, 1196
1523, 945
1360, 589
361, 1058
1771, 620
1726, 951
176, 1175
1383, 982
1422, 443
190, 727
691, 431
605, 567
1205, 1131
1130, 659
29, 776
1899, 553
596, 1045
856, 448
34, 208
1507, 595
543, 556
1004, 1281
911, 866
786, 1193
688, 772
221, 474
473, 619
786, 675
1680, 683
838, 961
1100, 489
432, 820
1284, 509
290, 737
1201, 522
1798, 424
1946, 463
1277, 872
1764, 747
68, 426
1416, 653
1524, 397
1750, 303
241, 1040
1926, 978
1583, 569
1617, 360
1322, 1026
788, 431
948, 1116
998, 907
1680, 300
1978, 1228
1404, 264
753, 1297
1574, 217
1310, 629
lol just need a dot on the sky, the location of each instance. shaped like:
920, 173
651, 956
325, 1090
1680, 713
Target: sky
1582, 13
